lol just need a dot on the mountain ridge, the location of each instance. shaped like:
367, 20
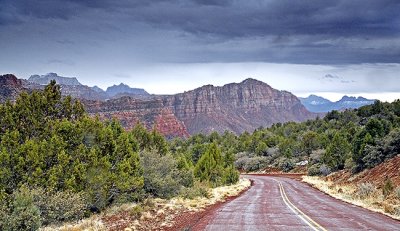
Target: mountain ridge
235, 107
319, 104
45, 79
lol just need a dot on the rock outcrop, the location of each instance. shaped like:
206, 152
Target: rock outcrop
10, 87
237, 107
69, 86
152, 113
45, 79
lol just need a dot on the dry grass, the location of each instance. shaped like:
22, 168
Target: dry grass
93, 223
153, 214
362, 195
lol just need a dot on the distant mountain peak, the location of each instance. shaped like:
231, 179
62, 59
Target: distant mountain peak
253, 81
97, 89
316, 103
45, 79
124, 89
347, 98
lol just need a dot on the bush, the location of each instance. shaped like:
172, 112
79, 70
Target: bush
324, 170
59, 206
387, 187
136, 211
316, 155
249, 164
349, 164
4, 212
286, 164
365, 189
231, 175
397, 193
198, 190
161, 176
313, 170
23, 214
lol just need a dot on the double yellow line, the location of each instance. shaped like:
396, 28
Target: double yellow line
310, 222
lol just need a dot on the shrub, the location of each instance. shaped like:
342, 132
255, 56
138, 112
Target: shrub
397, 211
255, 163
23, 213
387, 187
198, 190
4, 212
161, 176
231, 175
59, 206
372, 156
397, 193
136, 211
349, 164
286, 164
365, 189
313, 170
316, 155
324, 170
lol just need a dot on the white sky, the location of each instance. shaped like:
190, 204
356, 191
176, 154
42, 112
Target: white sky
377, 81
374, 81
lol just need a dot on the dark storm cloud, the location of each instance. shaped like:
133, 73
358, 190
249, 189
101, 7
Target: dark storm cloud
318, 32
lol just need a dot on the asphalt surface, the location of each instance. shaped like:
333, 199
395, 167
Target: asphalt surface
278, 203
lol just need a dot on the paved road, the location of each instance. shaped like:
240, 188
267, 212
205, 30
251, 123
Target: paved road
277, 203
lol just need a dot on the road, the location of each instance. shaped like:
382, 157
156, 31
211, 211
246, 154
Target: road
278, 203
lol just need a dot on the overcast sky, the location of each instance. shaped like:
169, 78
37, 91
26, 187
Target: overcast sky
330, 48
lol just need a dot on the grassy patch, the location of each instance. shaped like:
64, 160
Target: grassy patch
155, 213
365, 195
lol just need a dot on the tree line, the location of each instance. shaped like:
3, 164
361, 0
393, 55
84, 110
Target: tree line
58, 164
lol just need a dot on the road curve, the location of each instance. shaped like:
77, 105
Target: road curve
278, 203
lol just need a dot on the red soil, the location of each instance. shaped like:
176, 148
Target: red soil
377, 175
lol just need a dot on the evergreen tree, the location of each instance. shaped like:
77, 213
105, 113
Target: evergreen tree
337, 152
210, 166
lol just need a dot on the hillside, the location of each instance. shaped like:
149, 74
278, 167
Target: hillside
10, 87
375, 175
236, 107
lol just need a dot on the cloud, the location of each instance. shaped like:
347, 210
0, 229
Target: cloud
331, 76
61, 61
281, 31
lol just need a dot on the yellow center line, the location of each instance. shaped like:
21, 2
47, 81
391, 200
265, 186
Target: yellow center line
314, 225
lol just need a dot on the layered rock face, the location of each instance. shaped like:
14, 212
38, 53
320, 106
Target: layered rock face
237, 107
152, 113
10, 87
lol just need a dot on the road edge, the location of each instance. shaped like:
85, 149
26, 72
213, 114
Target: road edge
378, 211
200, 219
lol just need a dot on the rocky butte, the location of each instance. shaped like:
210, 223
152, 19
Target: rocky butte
236, 107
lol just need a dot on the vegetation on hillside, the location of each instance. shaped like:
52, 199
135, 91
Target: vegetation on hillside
57, 164
351, 139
